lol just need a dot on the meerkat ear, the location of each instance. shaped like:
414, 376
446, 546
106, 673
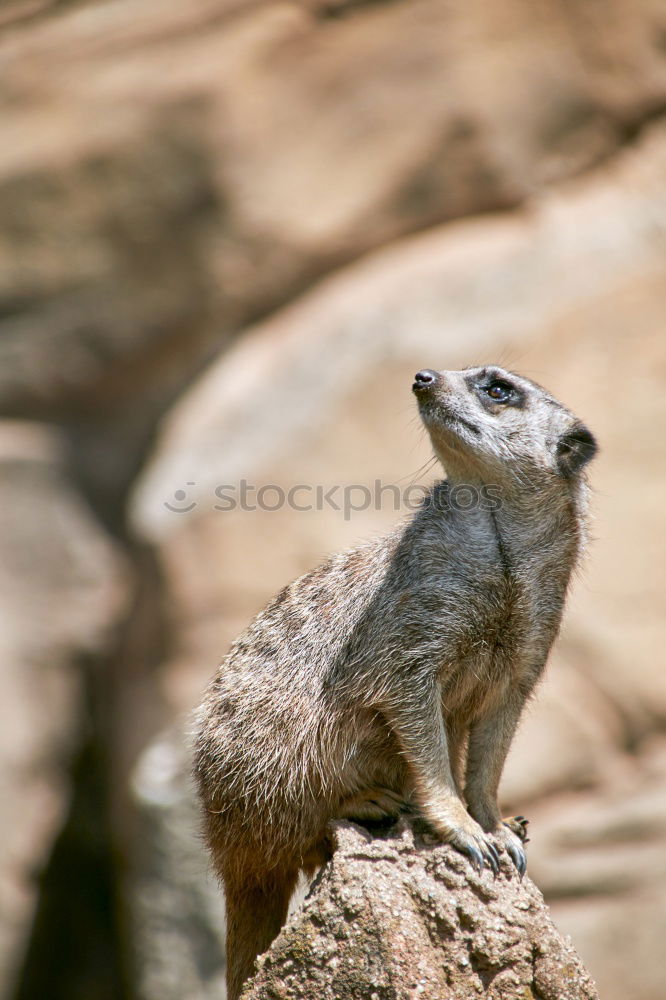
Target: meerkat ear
575, 448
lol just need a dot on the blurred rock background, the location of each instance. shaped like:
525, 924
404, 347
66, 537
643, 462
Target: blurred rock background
229, 233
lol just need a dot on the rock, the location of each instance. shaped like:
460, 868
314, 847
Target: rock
598, 857
569, 738
172, 176
91, 272
177, 905
616, 932
396, 916
169, 174
458, 292
62, 591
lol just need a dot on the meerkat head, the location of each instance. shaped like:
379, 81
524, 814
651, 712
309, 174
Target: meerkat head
483, 421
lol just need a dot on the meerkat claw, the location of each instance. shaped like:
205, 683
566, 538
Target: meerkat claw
510, 837
491, 857
517, 855
475, 856
481, 857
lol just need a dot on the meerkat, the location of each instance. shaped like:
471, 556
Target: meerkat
394, 675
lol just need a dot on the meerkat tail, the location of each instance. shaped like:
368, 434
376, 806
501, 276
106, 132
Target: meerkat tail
257, 906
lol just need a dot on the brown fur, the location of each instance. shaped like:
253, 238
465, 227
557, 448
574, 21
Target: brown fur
396, 673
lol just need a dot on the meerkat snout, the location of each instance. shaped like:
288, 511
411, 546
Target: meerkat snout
425, 379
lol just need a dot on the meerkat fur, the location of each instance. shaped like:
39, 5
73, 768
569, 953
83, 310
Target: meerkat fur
394, 675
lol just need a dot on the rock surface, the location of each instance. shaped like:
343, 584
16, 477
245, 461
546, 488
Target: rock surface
228, 201
178, 905
143, 221
487, 285
396, 917
55, 626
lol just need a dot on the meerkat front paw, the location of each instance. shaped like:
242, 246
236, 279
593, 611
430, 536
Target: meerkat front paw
478, 847
457, 827
510, 837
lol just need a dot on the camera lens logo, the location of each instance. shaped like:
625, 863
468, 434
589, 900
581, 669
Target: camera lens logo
180, 496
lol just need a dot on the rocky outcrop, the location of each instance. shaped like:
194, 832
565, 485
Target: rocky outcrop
470, 289
229, 233
57, 625
179, 926
172, 172
394, 917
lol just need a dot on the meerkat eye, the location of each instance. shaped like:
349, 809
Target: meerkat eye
499, 391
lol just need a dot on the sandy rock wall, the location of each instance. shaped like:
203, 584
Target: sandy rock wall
229, 233
58, 625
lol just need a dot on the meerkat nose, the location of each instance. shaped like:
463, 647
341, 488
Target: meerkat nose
425, 379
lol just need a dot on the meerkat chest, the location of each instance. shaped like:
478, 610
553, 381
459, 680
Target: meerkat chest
494, 621
487, 649
505, 625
